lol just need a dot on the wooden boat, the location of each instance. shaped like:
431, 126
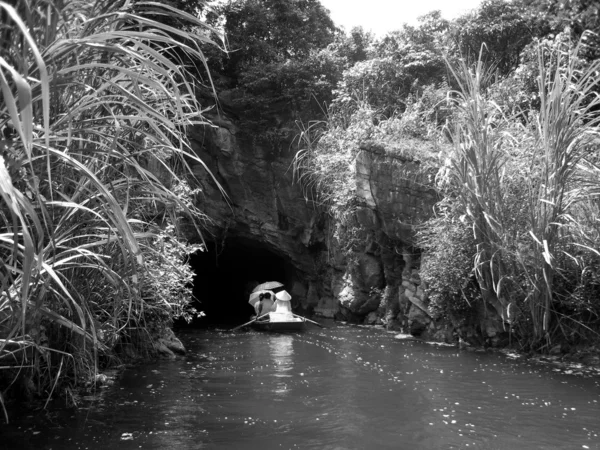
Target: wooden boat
282, 319
279, 322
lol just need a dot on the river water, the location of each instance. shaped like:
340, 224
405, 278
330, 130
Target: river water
340, 387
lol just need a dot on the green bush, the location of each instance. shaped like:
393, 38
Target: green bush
447, 264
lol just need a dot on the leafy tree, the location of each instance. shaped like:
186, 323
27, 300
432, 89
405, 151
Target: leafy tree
379, 82
402, 63
354, 46
263, 32
503, 27
419, 49
554, 16
279, 68
303, 85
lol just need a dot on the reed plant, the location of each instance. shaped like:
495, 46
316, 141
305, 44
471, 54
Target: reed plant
528, 188
94, 162
564, 141
475, 171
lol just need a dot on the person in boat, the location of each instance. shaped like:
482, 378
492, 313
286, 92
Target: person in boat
264, 304
283, 305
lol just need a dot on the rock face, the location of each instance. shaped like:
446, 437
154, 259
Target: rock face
395, 194
259, 201
168, 345
378, 281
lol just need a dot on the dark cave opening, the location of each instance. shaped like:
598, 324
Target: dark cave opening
226, 274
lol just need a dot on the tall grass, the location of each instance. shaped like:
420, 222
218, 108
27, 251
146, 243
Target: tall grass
565, 134
476, 171
519, 247
94, 107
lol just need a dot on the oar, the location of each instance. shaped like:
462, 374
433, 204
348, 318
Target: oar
248, 323
308, 320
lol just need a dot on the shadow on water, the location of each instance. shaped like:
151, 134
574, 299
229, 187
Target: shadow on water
342, 387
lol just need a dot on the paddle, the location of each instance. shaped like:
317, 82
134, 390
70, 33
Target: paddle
308, 320
248, 323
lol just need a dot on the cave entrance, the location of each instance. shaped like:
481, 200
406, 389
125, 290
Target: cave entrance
226, 274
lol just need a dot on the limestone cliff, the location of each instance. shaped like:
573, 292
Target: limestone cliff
261, 204
370, 275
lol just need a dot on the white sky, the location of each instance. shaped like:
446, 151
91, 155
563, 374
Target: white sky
381, 16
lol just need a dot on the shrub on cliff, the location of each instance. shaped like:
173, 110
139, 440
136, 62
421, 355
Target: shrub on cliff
325, 163
447, 264
324, 167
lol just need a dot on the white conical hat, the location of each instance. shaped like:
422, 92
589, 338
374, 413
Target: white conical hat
283, 295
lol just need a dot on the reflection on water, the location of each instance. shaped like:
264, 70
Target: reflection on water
282, 354
336, 388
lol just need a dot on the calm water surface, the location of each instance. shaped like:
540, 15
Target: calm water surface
341, 387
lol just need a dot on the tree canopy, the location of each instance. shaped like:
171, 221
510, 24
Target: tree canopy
270, 31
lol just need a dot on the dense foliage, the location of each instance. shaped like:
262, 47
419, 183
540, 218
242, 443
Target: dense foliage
93, 171
447, 268
271, 31
503, 29
505, 99
278, 63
